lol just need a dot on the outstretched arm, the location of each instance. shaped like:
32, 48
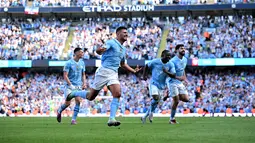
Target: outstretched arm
128, 68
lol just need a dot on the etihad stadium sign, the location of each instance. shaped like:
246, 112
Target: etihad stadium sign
116, 8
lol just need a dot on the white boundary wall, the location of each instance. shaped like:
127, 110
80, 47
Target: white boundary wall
140, 115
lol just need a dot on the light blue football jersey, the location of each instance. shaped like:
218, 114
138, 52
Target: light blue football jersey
158, 77
114, 54
180, 65
75, 70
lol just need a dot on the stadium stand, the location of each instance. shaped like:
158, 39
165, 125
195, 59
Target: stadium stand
30, 38
214, 37
209, 37
209, 91
143, 43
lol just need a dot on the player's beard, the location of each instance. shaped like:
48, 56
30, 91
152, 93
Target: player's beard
182, 53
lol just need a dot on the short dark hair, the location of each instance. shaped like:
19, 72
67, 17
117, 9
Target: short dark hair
77, 49
178, 46
164, 52
120, 28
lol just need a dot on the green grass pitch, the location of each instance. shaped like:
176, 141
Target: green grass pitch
95, 130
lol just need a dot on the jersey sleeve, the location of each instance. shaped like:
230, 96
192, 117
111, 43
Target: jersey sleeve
108, 44
150, 64
67, 67
171, 68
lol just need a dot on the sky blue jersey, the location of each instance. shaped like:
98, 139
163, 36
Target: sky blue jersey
158, 77
75, 70
180, 65
114, 54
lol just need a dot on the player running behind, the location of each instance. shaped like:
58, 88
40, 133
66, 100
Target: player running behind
75, 80
158, 80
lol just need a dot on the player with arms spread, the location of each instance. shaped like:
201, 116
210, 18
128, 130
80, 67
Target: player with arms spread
176, 88
75, 80
113, 56
157, 84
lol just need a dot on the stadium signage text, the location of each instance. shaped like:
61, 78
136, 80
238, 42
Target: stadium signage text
117, 8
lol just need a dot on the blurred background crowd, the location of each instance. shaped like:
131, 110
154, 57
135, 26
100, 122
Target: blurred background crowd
214, 91
204, 37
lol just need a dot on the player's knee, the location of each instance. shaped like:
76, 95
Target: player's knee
116, 94
77, 100
185, 98
91, 97
92, 94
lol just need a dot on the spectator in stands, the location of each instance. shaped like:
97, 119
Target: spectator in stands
208, 90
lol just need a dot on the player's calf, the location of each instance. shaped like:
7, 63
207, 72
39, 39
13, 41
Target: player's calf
173, 111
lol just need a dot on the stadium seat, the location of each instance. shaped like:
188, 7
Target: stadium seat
35, 112
27, 113
200, 111
229, 111
187, 111
94, 112
63, 112
20, 113
69, 113
9, 112
127, 112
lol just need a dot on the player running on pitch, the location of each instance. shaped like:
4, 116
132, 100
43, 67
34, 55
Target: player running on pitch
113, 56
75, 80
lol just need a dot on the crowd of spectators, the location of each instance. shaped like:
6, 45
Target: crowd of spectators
214, 37
35, 40
68, 3
12, 3
204, 37
213, 91
143, 42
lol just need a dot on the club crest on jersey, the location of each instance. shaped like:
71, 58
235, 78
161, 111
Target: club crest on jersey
73, 67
